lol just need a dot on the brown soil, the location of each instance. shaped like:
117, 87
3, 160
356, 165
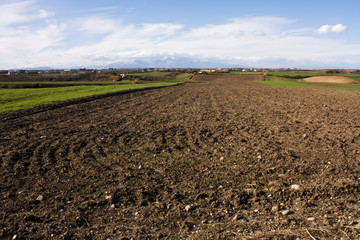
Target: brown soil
329, 79
224, 159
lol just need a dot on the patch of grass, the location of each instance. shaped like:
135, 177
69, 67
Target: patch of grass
305, 74
67, 82
16, 99
36, 84
240, 73
151, 74
355, 77
300, 74
154, 76
282, 82
183, 78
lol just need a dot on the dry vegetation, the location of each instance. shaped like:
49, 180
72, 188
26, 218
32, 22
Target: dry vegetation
329, 79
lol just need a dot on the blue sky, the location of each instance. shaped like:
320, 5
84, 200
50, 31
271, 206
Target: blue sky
258, 33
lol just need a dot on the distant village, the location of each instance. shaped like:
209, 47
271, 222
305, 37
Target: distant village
124, 72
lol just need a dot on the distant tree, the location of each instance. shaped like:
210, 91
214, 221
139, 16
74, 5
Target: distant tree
114, 77
332, 71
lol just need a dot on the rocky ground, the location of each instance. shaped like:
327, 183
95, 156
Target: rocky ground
222, 157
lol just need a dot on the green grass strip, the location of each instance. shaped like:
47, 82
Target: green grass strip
16, 99
303, 85
182, 79
151, 74
305, 74
68, 83
243, 73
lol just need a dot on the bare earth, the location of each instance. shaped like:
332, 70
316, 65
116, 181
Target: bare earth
329, 79
225, 158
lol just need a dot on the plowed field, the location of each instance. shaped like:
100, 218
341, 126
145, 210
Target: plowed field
223, 157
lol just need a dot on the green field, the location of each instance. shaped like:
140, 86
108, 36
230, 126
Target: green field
305, 74
240, 73
152, 74
68, 83
296, 80
25, 98
302, 74
44, 84
183, 78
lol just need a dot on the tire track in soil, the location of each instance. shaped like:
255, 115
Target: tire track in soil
202, 160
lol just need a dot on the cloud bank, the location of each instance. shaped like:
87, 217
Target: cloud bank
32, 38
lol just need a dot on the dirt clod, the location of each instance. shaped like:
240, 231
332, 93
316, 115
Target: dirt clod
40, 198
295, 187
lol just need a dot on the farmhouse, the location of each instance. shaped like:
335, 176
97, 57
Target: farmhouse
222, 70
10, 72
206, 71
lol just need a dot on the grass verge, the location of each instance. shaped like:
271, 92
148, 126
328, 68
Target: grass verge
66, 83
151, 74
16, 99
284, 83
305, 74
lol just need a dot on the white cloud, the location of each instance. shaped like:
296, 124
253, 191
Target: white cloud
13, 13
21, 46
160, 28
113, 28
102, 9
122, 42
266, 40
254, 39
297, 32
97, 25
241, 28
20, 39
21, 12
338, 28
45, 14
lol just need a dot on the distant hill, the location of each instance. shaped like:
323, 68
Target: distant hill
154, 62
36, 68
171, 62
